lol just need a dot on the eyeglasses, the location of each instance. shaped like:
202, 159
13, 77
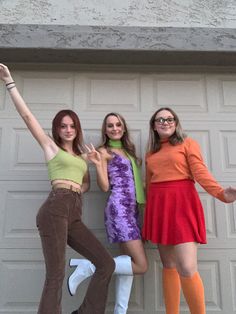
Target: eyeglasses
163, 120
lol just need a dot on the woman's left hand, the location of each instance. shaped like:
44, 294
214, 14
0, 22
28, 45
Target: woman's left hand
230, 194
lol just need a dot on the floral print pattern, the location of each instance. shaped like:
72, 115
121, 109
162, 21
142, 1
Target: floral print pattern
121, 212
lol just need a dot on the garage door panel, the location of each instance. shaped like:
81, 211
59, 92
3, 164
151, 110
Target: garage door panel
27, 154
210, 214
233, 281
22, 276
47, 91
231, 221
227, 93
20, 203
21, 155
182, 92
44, 92
93, 212
103, 93
228, 141
220, 220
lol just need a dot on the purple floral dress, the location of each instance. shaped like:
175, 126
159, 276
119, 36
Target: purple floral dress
121, 212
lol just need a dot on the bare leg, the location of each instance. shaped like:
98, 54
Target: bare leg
135, 250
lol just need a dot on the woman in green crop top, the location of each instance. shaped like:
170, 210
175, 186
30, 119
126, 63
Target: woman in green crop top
59, 218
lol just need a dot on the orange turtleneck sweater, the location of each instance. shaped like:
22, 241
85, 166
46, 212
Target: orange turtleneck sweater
179, 162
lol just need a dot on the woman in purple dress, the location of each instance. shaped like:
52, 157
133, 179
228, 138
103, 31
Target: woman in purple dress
118, 172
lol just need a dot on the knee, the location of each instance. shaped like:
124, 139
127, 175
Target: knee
169, 264
187, 269
144, 267
111, 265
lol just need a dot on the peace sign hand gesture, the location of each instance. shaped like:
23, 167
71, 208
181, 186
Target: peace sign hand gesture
93, 155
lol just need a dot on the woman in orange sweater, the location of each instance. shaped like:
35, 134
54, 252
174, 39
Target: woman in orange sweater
174, 217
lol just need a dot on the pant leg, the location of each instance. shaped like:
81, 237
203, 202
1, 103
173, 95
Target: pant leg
81, 239
52, 222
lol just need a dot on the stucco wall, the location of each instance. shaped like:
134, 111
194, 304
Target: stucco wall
150, 13
149, 32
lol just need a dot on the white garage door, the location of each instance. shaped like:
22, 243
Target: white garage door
206, 104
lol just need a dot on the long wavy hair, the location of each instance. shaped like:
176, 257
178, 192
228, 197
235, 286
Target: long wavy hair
154, 141
128, 145
56, 124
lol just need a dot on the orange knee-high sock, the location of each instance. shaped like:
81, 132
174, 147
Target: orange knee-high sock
194, 293
171, 290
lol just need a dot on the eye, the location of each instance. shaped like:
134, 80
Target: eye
159, 120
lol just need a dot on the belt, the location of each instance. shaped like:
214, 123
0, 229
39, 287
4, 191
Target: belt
66, 186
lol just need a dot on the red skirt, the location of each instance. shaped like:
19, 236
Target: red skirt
174, 214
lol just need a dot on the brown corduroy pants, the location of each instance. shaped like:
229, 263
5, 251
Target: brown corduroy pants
59, 223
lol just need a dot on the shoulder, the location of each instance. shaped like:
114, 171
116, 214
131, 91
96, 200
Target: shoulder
191, 144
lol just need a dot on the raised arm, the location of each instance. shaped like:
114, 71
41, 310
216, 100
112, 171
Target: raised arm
49, 147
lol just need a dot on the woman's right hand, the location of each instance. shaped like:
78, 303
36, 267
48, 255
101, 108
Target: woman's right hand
230, 194
93, 155
5, 74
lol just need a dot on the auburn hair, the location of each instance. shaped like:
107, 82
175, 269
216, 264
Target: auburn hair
56, 124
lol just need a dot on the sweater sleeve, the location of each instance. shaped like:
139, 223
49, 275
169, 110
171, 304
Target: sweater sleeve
200, 171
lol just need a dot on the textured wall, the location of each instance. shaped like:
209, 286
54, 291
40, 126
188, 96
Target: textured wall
155, 13
150, 32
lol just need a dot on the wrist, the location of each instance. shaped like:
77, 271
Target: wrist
8, 80
10, 85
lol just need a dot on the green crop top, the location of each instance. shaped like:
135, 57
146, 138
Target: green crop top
67, 167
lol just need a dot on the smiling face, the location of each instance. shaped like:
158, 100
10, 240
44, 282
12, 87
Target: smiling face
114, 128
164, 124
66, 130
